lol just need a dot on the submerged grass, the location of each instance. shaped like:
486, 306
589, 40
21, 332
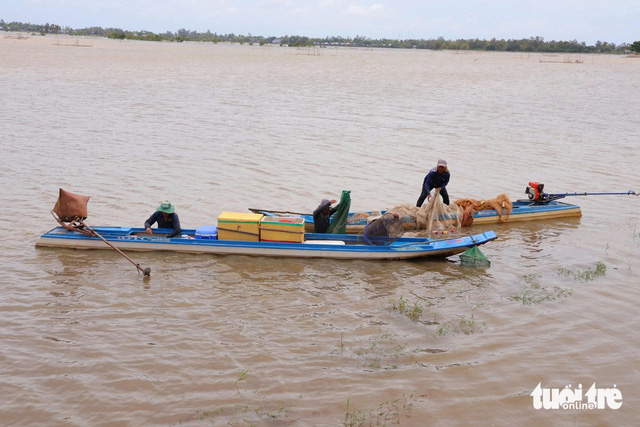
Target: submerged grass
600, 269
244, 414
388, 412
465, 324
405, 308
385, 413
243, 374
383, 354
535, 293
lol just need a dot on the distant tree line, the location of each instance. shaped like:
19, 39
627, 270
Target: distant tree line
532, 44
32, 28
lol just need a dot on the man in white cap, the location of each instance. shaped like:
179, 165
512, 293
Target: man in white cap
166, 217
437, 178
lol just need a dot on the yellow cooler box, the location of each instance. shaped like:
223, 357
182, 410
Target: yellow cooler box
281, 229
239, 226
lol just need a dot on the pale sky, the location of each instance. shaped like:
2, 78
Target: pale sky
614, 21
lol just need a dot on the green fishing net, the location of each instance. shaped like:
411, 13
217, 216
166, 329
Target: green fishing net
339, 219
473, 256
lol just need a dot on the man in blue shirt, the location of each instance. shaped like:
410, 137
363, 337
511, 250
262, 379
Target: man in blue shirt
166, 217
437, 178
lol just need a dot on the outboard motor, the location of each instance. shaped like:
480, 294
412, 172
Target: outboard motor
534, 191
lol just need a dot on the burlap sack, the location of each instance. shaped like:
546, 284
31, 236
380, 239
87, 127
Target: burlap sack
71, 205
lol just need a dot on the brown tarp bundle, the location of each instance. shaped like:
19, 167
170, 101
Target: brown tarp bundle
499, 204
70, 206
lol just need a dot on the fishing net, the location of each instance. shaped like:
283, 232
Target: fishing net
384, 230
339, 219
70, 206
433, 216
501, 204
473, 257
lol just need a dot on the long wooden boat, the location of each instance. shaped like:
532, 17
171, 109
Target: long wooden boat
526, 210
314, 246
523, 210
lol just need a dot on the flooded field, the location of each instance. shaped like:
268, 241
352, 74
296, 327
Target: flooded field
259, 341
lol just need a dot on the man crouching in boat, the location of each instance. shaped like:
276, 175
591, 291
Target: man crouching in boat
384, 230
322, 215
166, 217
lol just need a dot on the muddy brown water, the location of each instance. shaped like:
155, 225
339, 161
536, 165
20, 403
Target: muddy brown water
84, 340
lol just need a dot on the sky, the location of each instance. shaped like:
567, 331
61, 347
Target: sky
589, 21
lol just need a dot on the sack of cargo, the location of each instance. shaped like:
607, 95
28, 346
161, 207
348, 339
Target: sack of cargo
69, 206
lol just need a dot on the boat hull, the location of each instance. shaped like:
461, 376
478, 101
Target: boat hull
523, 210
316, 245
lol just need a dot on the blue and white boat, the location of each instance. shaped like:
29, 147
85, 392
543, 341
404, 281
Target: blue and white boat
526, 210
523, 210
314, 245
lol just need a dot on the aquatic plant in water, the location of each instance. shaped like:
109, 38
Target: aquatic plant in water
405, 308
386, 412
600, 269
246, 414
535, 293
463, 324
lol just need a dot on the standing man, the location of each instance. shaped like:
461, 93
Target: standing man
437, 178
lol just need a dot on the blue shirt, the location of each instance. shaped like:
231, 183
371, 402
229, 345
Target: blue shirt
174, 222
435, 180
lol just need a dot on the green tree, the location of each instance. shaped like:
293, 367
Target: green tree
118, 35
635, 46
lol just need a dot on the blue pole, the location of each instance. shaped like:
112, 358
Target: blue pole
628, 193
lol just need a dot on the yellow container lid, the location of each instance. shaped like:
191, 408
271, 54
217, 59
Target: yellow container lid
239, 217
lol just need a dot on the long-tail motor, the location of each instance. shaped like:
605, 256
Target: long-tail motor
535, 192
